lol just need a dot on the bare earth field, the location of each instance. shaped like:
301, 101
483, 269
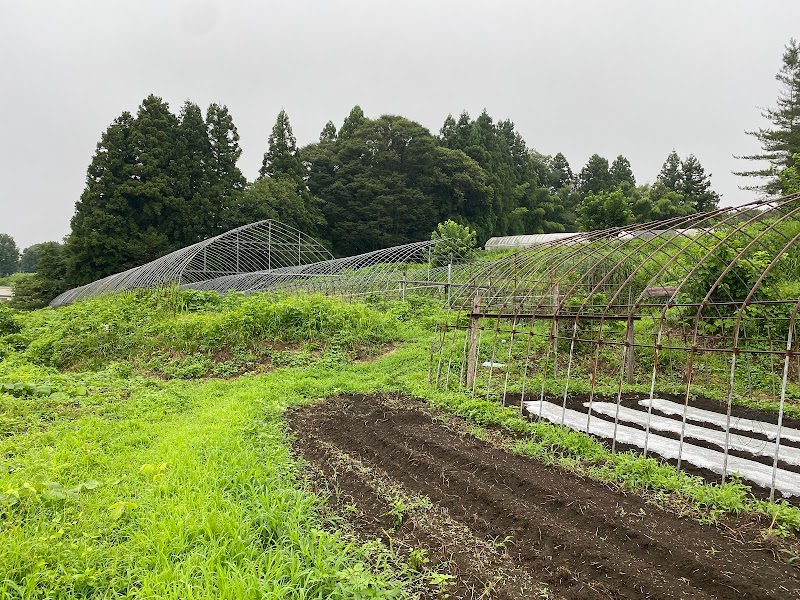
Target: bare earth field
506, 526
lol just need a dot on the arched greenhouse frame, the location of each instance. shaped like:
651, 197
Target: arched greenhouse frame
637, 334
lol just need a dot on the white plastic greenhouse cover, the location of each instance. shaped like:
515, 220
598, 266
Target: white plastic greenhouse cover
524, 241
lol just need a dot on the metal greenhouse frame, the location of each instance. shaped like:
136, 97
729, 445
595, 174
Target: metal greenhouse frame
392, 271
596, 331
262, 246
271, 256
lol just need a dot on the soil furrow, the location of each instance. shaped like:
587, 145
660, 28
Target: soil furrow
582, 538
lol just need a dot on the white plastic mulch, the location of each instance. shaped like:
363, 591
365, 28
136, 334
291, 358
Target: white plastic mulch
788, 454
708, 416
787, 483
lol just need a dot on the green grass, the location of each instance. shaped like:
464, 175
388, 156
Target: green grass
116, 484
194, 494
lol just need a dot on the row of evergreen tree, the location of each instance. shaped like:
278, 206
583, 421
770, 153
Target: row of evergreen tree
160, 181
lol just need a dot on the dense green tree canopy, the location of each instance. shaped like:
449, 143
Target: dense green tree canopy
157, 182
225, 179
328, 133
352, 122
622, 174
695, 186
160, 181
103, 224
790, 177
562, 173
604, 210
658, 202
49, 280
279, 199
457, 245
388, 183
595, 177
9, 255
29, 259
520, 179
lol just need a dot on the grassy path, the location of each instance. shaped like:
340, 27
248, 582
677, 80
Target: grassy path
194, 495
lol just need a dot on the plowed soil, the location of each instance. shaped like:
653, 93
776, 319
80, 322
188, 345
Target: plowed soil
505, 526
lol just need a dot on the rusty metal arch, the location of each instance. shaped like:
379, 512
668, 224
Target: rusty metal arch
704, 287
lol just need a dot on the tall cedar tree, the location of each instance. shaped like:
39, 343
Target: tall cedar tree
280, 159
622, 174
671, 173
103, 224
695, 186
562, 173
161, 216
193, 159
155, 184
328, 133
351, 123
225, 180
781, 142
595, 177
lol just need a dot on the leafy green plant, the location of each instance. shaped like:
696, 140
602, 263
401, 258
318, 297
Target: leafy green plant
397, 511
417, 558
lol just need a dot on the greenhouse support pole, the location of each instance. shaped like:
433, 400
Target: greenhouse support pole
473, 342
780, 411
554, 331
629, 356
449, 279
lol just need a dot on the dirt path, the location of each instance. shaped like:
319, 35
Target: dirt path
508, 527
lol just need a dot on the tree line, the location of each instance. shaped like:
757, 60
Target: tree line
159, 181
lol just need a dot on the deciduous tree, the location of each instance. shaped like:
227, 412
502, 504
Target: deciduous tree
9, 255
604, 210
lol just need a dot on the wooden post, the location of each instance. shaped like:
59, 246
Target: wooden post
472, 366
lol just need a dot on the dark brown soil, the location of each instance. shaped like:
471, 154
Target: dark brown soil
502, 524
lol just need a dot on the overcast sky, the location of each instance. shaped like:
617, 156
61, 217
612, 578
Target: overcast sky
637, 78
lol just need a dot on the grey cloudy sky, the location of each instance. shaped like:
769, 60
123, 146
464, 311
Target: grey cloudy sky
609, 76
